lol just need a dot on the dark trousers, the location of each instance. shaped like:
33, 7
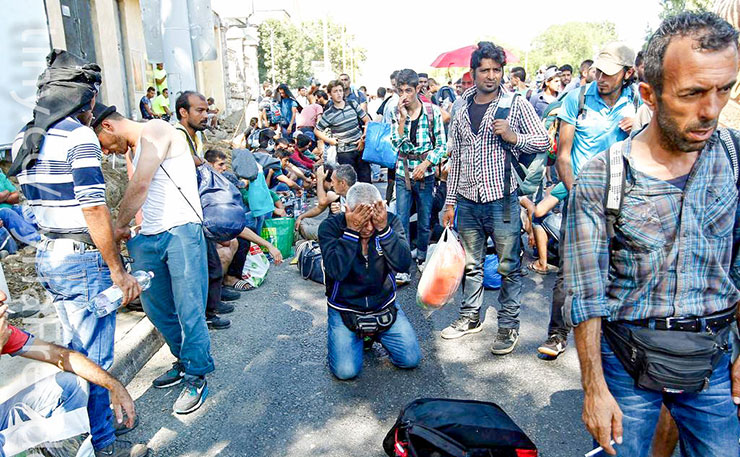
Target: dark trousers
391, 185
557, 322
237, 263
215, 278
361, 167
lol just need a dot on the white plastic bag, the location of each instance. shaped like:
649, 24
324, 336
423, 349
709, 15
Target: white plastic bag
442, 273
256, 266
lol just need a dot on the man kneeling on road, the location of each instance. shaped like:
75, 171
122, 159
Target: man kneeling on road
363, 249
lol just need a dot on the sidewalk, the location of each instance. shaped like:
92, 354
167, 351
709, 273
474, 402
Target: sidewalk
136, 341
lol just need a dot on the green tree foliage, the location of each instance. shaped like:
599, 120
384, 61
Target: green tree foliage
671, 7
571, 43
296, 46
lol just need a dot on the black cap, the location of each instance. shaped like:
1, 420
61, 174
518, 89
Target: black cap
100, 112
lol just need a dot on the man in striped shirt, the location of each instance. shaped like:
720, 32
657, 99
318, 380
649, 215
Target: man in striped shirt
477, 191
77, 258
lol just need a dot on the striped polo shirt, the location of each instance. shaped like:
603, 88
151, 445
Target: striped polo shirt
344, 125
66, 177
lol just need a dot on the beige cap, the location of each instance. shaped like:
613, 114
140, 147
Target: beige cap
613, 57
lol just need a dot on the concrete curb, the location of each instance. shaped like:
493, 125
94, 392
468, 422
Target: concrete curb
135, 349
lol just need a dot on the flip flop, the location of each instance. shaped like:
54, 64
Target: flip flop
242, 285
537, 270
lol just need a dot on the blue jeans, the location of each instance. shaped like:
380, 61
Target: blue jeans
475, 223
176, 300
73, 279
345, 346
423, 198
707, 421
50, 402
255, 224
17, 226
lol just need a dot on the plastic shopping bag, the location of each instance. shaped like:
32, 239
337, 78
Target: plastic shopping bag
491, 276
443, 272
378, 147
256, 266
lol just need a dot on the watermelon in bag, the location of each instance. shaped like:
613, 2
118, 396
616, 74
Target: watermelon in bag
443, 272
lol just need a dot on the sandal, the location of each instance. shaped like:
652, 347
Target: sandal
548, 270
242, 285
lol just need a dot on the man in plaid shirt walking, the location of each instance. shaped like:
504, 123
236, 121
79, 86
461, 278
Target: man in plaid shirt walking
477, 191
417, 132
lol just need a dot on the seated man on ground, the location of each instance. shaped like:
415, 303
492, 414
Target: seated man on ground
212, 113
331, 194
544, 225
58, 400
362, 250
300, 156
11, 214
289, 177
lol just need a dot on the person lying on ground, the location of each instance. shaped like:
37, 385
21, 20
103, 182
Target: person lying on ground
63, 394
362, 250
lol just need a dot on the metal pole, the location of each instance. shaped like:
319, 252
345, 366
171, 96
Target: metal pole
344, 51
272, 55
327, 65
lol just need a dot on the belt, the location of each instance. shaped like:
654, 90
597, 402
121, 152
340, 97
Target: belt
65, 245
712, 322
407, 170
78, 236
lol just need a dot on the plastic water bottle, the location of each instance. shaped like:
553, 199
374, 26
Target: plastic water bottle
110, 299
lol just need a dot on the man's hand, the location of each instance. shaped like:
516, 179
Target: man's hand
121, 234
448, 218
335, 207
501, 127
277, 256
298, 222
121, 402
128, 286
4, 329
420, 170
603, 418
4, 195
380, 216
402, 111
626, 124
358, 217
735, 379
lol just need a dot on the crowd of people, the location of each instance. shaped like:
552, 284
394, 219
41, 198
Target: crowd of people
617, 178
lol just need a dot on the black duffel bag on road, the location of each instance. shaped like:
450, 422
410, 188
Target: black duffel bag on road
310, 261
439, 427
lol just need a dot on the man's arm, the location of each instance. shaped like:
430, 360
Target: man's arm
149, 110
531, 136
338, 248
11, 198
394, 244
564, 164
249, 235
453, 176
320, 135
155, 143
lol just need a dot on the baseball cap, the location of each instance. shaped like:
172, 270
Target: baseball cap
613, 57
100, 112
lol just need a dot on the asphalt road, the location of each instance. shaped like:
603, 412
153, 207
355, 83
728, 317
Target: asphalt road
272, 394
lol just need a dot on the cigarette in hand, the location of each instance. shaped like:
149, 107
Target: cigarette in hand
597, 450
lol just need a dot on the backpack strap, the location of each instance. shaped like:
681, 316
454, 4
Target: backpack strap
731, 146
615, 186
430, 122
582, 100
509, 161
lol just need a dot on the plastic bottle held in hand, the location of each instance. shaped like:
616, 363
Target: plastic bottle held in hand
110, 299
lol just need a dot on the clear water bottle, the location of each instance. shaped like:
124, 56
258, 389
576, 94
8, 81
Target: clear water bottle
110, 299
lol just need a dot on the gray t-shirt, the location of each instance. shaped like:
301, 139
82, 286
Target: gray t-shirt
343, 124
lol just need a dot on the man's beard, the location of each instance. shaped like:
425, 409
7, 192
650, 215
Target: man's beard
672, 138
483, 89
197, 127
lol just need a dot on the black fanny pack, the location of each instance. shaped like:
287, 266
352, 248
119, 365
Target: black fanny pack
666, 360
370, 324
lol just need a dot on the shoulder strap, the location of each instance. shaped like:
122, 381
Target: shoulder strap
581, 100
190, 143
731, 147
181, 192
615, 186
430, 122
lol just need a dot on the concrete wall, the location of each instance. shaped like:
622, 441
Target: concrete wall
138, 70
56, 27
211, 76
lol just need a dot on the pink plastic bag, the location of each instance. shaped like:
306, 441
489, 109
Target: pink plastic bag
443, 273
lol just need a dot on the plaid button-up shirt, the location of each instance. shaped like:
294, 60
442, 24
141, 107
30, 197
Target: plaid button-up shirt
477, 161
672, 251
403, 144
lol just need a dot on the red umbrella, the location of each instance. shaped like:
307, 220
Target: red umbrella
460, 58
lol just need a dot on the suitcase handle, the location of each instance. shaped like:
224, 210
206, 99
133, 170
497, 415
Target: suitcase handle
437, 438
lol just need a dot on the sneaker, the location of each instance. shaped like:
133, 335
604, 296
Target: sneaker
192, 396
229, 294
121, 429
223, 308
505, 341
402, 279
464, 325
420, 265
121, 448
216, 322
554, 346
173, 377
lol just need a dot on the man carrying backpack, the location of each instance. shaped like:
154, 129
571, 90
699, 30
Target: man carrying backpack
591, 118
483, 190
651, 266
418, 134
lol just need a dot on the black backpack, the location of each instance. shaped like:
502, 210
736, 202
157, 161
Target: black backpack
438, 427
310, 261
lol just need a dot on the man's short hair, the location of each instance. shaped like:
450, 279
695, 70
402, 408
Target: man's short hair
709, 32
333, 84
283, 141
321, 94
639, 58
362, 193
566, 67
212, 155
150, 88
421, 75
519, 72
585, 65
283, 153
407, 76
301, 87
346, 173
381, 92
487, 50
343, 74
268, 93
211, 100
183, 101
302, 141
394, 75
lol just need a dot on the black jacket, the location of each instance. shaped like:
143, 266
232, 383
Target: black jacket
352, 282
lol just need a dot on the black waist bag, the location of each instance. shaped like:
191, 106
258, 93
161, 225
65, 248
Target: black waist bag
370, 324
664, 360
438, 427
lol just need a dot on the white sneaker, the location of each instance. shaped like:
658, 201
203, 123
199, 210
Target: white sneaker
402, 279
420, 265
